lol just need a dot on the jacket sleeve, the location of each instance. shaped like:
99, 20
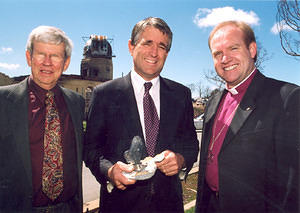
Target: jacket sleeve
96, 138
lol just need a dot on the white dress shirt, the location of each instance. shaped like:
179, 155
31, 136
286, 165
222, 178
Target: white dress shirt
139, 90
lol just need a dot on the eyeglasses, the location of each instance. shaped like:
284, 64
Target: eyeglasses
53, 58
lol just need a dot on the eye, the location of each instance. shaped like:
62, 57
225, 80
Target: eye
234, 48
217, 55
56, 58
147, 43
163, 47
39, 56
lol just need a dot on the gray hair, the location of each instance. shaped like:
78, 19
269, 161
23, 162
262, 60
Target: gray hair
49, 34
155, 22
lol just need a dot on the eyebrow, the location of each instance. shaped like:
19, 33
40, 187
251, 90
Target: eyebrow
151, 41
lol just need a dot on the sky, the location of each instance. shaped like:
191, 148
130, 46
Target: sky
190, 21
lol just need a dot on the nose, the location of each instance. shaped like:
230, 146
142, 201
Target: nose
154, 50
225, 58
47, 60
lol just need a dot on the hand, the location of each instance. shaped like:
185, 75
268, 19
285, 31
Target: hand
117, 178
171, 164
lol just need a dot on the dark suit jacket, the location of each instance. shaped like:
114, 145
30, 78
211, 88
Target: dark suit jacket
15, 162
113, 121
259, 158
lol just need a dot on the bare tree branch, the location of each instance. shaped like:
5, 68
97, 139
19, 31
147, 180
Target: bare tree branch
288, 16
262, 56
212, 77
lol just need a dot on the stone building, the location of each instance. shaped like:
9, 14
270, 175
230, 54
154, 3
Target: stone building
97, 59
96, 68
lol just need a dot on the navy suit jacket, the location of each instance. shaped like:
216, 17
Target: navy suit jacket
259, 158
113, 121
15, 162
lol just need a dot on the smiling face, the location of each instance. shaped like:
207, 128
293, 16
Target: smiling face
233, 60
150, 53
47, 63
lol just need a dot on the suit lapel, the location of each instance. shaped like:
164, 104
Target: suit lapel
19, 124
127, 104
73, 109
246, 107
213, 106
210, 117
167, 109
76, 117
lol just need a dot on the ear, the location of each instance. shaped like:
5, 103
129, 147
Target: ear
28, 58
67, 63
253, 49
130, 47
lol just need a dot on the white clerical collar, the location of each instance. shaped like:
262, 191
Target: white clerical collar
234, 90
138, 82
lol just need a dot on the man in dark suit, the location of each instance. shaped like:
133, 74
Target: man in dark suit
116, 115
249, 160
41, 143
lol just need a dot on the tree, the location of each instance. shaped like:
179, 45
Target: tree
191, 87
199, 88
212, 77
288, 18
262, 56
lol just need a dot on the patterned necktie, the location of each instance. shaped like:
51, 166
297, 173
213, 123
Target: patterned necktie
52, 182
151, 120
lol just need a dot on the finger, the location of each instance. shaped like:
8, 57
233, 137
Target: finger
171, 173
125, 181
120, 185
170, 170
125, 167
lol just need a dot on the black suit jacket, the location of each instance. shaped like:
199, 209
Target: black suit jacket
259, 158
15, 161
113, 121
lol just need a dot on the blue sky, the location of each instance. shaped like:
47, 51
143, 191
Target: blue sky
190, 20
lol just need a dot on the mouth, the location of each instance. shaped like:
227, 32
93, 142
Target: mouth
150, 61
46, 72
230, 67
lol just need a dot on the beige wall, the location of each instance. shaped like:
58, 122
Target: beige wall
78, 85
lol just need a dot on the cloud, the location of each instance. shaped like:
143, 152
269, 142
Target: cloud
9, 66
211, 17
6, 50
280, 26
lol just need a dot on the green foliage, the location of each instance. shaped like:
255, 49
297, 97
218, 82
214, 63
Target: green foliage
84, 125
191, 210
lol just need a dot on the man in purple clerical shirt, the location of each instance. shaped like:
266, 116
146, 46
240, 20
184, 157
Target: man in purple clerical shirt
249, 160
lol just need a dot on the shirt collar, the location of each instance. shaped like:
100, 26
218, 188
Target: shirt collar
40, 92
138, 82
243, 85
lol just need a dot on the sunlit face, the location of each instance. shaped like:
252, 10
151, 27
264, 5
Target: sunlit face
150, 53
233, 60
47, 63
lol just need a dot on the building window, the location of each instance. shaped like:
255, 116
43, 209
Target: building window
95, 72
84, 72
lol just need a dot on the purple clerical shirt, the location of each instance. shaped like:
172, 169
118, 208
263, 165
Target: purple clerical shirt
36, 115
224, 116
